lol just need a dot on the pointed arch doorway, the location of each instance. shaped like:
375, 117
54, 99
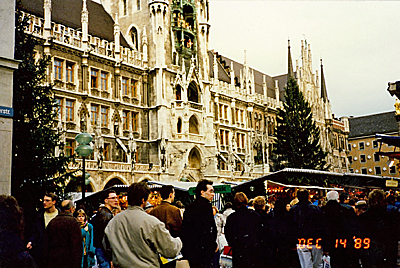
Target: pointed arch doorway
194, 164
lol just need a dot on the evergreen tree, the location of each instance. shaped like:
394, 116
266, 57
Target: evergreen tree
35, 168
297, 144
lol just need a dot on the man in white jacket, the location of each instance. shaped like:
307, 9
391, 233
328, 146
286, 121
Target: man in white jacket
135, 237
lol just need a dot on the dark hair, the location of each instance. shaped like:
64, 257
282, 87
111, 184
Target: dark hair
179, 204
202, 186
240, 199
391, 199
228, 205
343, 196
303, 194
53, 196
377, 198
166, 190
137, 192
352, 202
107, 194
11, 215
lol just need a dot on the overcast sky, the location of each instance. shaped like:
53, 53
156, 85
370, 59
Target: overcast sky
358, 41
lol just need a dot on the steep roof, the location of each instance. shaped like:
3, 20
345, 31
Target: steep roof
224, 64
371, 124
68, 13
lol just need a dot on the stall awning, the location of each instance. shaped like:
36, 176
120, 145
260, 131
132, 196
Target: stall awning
278, 184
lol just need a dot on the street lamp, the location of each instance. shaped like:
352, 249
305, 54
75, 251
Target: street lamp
84, 150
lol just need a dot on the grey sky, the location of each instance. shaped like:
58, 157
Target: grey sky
358, 41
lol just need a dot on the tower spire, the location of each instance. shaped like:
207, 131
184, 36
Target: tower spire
324, 94
290, 65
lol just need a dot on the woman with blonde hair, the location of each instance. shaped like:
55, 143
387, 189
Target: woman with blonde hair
87, 240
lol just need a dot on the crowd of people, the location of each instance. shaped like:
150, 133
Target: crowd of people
278, 233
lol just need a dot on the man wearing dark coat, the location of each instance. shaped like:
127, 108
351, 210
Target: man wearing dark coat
199, 232
307, 230
35, 241
379, 233
63, 240
339, 222
243, 231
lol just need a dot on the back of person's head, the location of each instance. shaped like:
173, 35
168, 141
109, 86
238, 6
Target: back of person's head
66, 205
228, 205
138, 192
343, 197
332, 195
202, 186
107, 194
240, 200
11, 215
53, 196
391, 199
352, 202
259, 203
166, 190
179, 204
303, 195
280, 206
377, 198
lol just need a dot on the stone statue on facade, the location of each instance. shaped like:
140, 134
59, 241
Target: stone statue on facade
132, 147
99, 145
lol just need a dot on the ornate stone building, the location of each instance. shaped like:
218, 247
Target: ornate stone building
140, 77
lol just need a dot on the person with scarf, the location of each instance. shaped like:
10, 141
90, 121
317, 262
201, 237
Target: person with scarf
88, 259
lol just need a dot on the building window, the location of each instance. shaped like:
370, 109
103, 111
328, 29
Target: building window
103, 81
59, 109
106, 152
69, 110
364, 171
361, 145
70, 72
58, 69
392, 170
349, 147
375, 144
125, 120
138, 4
134, 88
104, 117
362, 158
376, 157
378, 171
179, 125
225, 112
350, 159
124, 86
94, 114
94, 75
69, 147
135, 117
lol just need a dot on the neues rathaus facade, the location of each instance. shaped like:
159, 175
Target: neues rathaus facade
139, 76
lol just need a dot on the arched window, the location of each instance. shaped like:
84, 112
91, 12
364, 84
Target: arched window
194, 159
193, 93
178, 92
193, 125
133, 33
179, 125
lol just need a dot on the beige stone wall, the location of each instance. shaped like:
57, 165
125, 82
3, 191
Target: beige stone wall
7, 66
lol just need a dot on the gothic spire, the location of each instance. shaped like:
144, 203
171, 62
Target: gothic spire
290, 65
324, 94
